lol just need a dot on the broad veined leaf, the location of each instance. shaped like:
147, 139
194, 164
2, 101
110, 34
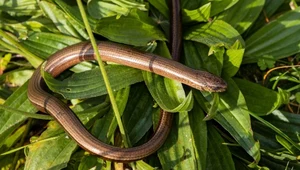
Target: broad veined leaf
269, 8
90, 83
219, 6
137, 116
104, 128
287, 122
277, 39
102, 9
22, 29
20, 8
260, 100
54, 148
218, 154
231, 102
169, 94
197, 15
216, 5
44, 44
215, 33
197, 56
232, 61
139, 32
65, 25
161, 6
199, 130
179, 146
74, 13
9, 121
236, 120
243, 14
233, 117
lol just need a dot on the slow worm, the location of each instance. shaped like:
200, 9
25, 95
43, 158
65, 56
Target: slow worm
124, 55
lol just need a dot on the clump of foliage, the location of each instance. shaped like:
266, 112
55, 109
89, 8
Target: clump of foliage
252, 44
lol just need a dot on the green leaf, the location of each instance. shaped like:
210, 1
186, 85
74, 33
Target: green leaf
90, 162
139, 32
103, 9
199, 130
232, 61
277, 130
64, 24
269, 8
20, 8
104, 128
265, 62
137, 116
215, 33
22, 29
219, 6
234, 118
197, 15
161, 6
197, 57
44, 44
54, 148
169, 94
179, 146
277, 39
260, 100
13, 139
9, 121
243, 14
18, 78
90, 83
218, 154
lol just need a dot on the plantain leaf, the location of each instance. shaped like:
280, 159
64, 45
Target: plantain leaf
22, 29
215, 33
139, 32
90, 83
65, 25
236, 120
277, 39
218, 154
20, 8
104, 128
137, 116
216, 6
197, 15
161, 6
103, 9
169, 94
219, 6
243, 14
45, 44
9, 121
260, 100
179, 146
199, 130
54, 148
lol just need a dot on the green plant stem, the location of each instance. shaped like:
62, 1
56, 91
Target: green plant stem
104, 74
21, 113
33, 59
